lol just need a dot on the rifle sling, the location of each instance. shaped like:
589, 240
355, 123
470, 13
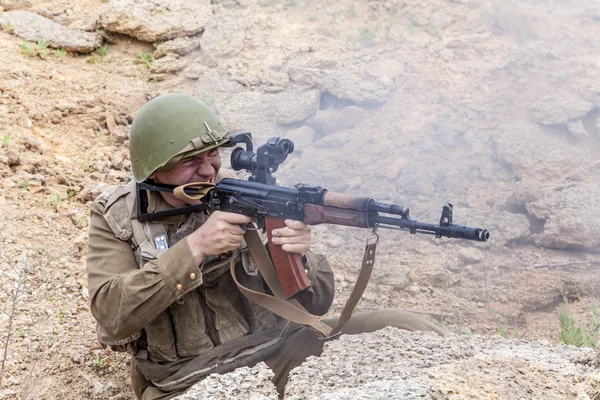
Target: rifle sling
288, 309
361, 283
291, 309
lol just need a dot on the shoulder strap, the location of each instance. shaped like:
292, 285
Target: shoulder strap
144, 234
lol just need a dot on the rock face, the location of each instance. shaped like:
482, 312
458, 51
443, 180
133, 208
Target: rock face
559, 109
243, 383
152, 21
395, 364
14, 4
352, 82
572, 217
33, 27
181, 46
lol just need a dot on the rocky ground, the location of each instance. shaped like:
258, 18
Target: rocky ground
492, 107
395, 364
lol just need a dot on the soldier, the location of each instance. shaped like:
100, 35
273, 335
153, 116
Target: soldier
160, 291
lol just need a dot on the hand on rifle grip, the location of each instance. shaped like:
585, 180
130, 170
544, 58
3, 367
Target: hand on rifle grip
284, 238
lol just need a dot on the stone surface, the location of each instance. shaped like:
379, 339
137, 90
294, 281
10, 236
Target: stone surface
302, 137
297, 107
152, 21
243, 383
559, 108
352, 81
181, 46
333, 120
8, 5
396, 364
168, 65
261, 112
224, 38
571, 215
33, 27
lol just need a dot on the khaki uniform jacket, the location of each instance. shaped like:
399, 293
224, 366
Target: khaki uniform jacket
181, 321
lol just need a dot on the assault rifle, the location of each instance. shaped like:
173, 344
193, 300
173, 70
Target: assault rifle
271, 204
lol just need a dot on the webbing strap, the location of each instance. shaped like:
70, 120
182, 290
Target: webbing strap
361, 282
290, 310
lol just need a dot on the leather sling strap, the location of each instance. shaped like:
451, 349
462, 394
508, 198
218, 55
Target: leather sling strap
361, 282
291, 309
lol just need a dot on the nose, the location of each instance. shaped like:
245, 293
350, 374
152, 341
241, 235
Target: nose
204, 168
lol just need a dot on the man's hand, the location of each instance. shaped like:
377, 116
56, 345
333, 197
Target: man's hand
294, 238
219, 234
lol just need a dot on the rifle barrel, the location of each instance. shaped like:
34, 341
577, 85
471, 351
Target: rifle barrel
450, 231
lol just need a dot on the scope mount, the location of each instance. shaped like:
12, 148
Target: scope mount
265, 161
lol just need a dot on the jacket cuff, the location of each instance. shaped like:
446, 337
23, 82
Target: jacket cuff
179, 270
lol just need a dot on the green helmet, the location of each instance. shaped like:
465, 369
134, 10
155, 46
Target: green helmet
169, 128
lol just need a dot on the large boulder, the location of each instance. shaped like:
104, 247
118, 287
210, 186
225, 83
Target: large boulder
571, 217
154, 21
559, 108
261, 112
225, 38
33, 27
349, 80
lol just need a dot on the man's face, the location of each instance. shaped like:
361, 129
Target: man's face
202, 167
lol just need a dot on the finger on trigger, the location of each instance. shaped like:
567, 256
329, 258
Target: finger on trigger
237, 219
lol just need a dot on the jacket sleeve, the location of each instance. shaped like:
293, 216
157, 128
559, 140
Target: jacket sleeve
319, 297
123, 297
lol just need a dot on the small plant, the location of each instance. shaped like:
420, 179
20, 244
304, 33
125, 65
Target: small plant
24, 184
431, 24
27, 49
61, 52
8, 27
366, 37
502, 327
145, 58
85, 167
102, 50
80, 221
6, 138
98, 363
92, 59
22, 331
71, 192
56, 198
62, 318
351, 11
42, 49
13, 284
333, 17
575, 334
